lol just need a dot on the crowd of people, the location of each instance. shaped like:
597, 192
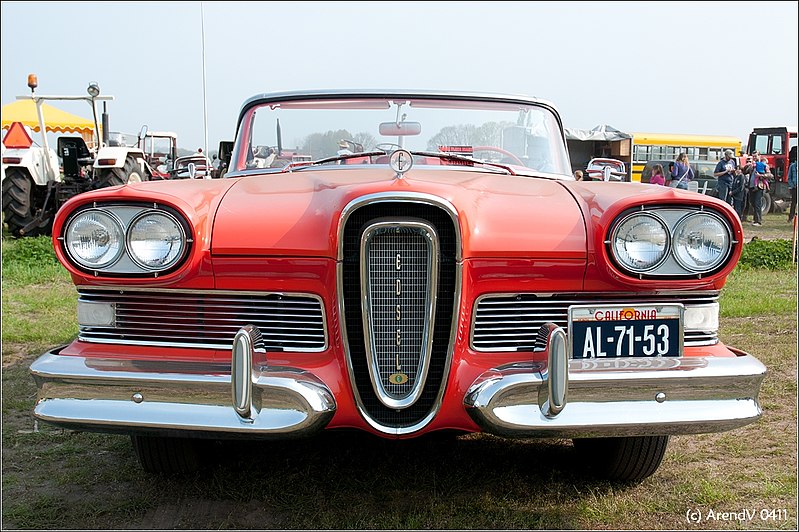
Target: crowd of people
742, 187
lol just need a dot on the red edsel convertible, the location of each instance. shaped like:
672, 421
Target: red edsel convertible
443, 272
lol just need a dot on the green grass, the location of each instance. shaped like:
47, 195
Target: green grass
759, 292
39, 300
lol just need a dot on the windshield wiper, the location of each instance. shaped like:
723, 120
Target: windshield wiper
457, 157
302, 164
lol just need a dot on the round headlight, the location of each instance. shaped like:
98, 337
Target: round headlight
94, 239
701, 242
156, 240
640, 242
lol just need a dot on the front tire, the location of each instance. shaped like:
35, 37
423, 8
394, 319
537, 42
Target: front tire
19, 204
167, 455
130, 172
623, 459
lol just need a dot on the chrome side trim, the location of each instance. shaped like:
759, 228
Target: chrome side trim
368, 312
425, 199
124, 395
621, 397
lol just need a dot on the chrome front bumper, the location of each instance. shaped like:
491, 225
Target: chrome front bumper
617, 397
153, 396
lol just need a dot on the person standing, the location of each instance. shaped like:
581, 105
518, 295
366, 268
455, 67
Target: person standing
682, 172
738, 191
724, 173
755, 188
792, 189
749, 171
657, 177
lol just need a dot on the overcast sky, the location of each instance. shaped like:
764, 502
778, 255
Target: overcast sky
668, 67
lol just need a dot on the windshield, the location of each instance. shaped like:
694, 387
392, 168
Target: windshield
527, 137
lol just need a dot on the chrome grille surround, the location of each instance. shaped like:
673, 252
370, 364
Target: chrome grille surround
511, 322
207, 319
410, 198
399, 274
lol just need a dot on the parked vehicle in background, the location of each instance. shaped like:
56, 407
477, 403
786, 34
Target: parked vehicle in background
422, 289
600, 169
35, 185
778, 144
660, 146
195, 166
160, 151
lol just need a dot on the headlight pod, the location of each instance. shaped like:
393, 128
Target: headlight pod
155, 240
701, 242
640, 242
670, 241
94, 239
126, 239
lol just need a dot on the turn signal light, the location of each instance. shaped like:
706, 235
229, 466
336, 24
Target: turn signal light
12, 160
106, 162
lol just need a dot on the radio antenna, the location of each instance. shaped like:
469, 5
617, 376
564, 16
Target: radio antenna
205, 98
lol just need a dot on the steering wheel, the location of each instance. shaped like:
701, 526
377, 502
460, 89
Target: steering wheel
388, 146
495, 149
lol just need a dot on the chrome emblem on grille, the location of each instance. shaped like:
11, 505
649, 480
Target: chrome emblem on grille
399, 279
398, 378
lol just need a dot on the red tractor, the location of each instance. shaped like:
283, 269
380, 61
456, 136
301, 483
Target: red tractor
778, 144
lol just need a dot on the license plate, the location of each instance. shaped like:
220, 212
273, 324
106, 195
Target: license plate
625, 331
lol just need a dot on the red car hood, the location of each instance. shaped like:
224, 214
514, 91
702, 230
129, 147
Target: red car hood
298, 214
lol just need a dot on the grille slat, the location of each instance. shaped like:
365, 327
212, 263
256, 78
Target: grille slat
208, 320
511, 323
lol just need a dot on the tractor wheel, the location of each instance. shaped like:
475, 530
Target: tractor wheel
623, 459
160, 454
19, 204
131, 172
766, 204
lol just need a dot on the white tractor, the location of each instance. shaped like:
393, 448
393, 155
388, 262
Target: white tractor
35, 184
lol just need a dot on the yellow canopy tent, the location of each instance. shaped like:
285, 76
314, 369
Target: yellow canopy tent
55, 120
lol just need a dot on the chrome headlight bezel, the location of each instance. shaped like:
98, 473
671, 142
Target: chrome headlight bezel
673, 217
127, 263
114, 225
690, 217
130, 247
666, 237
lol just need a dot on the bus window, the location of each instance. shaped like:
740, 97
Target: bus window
703, 154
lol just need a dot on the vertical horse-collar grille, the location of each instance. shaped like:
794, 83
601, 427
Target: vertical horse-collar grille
399, 277
370, 270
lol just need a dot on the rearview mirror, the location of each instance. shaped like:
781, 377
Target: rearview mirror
401, 129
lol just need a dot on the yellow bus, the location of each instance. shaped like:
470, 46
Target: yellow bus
654, 146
